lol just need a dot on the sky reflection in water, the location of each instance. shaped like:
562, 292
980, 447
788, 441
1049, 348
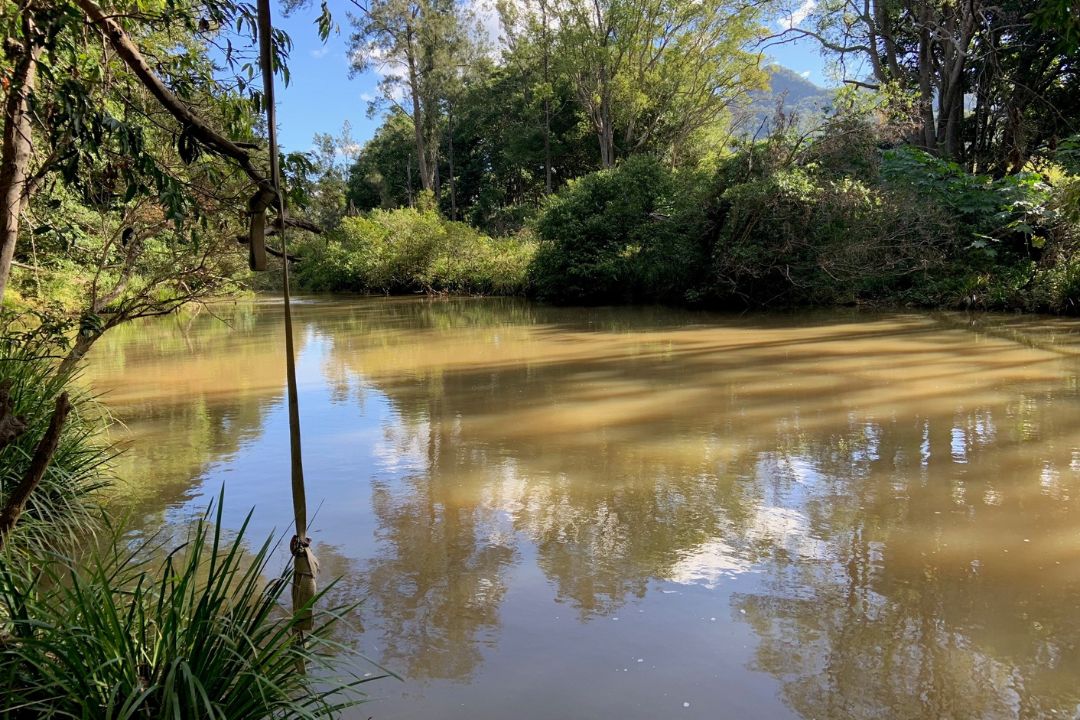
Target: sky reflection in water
558, 513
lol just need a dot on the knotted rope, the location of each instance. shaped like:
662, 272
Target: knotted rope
305, 565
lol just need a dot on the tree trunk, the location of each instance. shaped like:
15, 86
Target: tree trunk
605, 131
83, 343
884, 29
547, 99
408, 182
15, 154
427, 179
450, 139
437, 185
39, 463
547, 146
928, 138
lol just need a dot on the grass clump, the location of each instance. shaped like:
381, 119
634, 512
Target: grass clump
197, 633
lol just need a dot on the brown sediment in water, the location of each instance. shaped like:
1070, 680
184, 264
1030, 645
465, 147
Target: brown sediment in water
816, 515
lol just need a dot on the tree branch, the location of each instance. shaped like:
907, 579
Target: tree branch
132, 57
46, 448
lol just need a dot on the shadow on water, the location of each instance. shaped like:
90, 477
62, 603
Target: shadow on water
888, 502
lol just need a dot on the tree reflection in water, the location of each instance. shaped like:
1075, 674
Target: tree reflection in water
888, 501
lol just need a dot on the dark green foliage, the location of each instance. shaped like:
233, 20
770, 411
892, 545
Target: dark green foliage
135, 632
795, 238
618, 235
498, 157
843, 217
498, 136
1068, 155
995, 211
385, 175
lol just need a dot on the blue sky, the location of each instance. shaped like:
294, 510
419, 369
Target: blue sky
321, 96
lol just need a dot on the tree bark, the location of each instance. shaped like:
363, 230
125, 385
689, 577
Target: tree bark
606, 131
15, 153
547, 97
127, 51
11, 425
928, 138
427, 178
450, 140
83, 343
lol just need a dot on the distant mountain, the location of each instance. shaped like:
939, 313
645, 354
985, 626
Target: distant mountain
800, 96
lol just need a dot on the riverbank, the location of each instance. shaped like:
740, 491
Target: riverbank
776, 225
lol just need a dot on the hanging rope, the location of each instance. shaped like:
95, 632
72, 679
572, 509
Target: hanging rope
305, 565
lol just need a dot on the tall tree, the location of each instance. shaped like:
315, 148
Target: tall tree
650, 73
23, 44
94, 101
417, 46
529, 41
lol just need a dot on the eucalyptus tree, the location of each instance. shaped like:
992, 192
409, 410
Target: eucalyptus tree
122, 104
24, 41
382, 175
506, 145
650, 73
530, 41
418, 47
316, 181
137, 161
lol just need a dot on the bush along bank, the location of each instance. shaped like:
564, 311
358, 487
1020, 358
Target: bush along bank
836, 221
849, 215
413, 250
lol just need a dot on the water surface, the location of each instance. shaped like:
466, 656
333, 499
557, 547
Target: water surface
647, 513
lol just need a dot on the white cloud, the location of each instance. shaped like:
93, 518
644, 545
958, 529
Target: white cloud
367, 97
709, 565
348, 151
805, 74
487, 22
798, 14
320, 53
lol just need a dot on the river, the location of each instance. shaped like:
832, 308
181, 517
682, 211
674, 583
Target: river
645, 513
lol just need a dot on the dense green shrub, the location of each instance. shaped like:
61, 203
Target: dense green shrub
413, 250
999, 214
848, 213
797, 238
629, 233
853, 215
195, 633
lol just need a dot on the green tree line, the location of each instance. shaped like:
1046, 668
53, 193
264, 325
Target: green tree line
619, 143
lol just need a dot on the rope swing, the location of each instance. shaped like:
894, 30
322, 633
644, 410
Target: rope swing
305, 565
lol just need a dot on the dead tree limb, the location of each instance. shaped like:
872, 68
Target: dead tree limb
43, 454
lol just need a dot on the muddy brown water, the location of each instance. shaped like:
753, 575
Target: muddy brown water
646, 513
